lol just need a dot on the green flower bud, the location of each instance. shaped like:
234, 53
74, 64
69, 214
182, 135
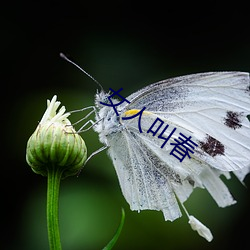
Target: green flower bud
55, 144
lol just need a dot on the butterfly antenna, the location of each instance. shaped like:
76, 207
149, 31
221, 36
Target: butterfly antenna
68, 60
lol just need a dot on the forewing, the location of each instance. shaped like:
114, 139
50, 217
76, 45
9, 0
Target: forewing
212, 108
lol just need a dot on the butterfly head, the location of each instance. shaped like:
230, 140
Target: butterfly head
101, 98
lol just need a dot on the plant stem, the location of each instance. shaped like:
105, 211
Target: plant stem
54, 177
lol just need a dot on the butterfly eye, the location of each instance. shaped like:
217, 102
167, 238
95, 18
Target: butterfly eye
105, 100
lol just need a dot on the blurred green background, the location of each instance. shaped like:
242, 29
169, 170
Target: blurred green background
122, 45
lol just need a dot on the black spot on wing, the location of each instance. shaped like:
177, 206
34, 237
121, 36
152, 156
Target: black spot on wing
233, 119
248, 89
191, 181
212, 146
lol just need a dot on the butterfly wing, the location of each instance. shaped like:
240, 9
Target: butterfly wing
213, 107
201, 106
210, 108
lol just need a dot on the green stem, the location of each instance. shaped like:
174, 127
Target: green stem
54, 177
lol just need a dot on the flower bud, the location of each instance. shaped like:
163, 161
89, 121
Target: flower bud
55, 144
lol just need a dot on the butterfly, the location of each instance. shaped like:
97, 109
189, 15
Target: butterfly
210, 109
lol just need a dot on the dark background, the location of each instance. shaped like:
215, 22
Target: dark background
122, 44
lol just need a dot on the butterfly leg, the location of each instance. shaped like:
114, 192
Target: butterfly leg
96, 152
81, 129
86, 116
91, 155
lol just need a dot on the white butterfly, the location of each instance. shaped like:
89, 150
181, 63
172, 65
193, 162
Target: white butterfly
212, 108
